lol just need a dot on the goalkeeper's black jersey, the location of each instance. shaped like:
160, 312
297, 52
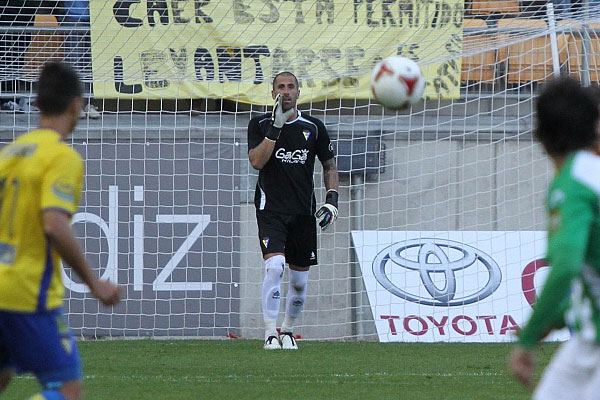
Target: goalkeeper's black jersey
285, 184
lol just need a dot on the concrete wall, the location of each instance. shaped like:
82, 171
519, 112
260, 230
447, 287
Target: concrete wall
466, 165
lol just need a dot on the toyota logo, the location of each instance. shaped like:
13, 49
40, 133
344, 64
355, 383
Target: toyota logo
436, 256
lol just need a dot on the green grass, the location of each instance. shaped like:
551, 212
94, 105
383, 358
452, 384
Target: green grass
240, 369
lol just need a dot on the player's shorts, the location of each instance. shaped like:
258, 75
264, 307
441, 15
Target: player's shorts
573, 373
293, 235
39, 343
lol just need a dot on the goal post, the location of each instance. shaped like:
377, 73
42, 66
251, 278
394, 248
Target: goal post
441, 228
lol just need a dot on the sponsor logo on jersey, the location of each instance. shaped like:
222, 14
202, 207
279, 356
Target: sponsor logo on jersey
19, 150
64, 190
292, 157
7, 253
306, 134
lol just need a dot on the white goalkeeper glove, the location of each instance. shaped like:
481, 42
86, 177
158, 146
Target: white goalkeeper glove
278, 117
329, 211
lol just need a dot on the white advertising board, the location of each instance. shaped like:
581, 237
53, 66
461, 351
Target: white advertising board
458, 286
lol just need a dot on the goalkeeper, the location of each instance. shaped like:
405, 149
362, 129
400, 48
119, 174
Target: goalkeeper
567, 117
283, 146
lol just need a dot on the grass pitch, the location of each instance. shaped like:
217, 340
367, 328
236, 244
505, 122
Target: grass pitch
241, 369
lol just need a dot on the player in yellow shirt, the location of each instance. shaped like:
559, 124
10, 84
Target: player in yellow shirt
40, 186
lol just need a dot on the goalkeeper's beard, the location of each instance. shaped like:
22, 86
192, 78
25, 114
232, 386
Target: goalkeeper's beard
284, 107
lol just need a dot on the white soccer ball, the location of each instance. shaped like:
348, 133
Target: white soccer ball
397, 82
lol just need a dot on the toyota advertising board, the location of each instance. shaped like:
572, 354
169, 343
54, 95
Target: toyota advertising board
460, 286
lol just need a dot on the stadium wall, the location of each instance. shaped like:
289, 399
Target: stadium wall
477, 172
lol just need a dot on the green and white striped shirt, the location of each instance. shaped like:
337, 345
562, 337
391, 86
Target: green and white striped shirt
573, 205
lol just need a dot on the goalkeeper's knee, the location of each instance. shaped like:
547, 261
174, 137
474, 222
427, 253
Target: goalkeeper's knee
274, 266
271, 289
298, 281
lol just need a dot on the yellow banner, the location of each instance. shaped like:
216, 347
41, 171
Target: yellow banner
233, 48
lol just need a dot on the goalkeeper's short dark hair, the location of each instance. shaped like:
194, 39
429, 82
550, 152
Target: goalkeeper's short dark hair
567, 115
58, 86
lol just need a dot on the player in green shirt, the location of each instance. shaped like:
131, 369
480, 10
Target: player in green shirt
567, 118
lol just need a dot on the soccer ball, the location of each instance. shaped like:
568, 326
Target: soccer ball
397, 82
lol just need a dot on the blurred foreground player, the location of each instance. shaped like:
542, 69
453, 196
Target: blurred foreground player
567, 118
40, 187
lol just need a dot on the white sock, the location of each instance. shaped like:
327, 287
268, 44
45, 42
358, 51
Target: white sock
296, 297
271, 293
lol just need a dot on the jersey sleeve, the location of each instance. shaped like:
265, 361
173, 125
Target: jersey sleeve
61, 186
324, 145
570, 222
255, 135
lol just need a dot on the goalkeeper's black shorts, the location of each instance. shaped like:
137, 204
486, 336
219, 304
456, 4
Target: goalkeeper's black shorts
293, 235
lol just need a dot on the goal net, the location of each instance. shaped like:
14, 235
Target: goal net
441, 228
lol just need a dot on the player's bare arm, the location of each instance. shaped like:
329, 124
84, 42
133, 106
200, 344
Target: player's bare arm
328, 212
261, 154
330, 175
57, 227
522, 365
